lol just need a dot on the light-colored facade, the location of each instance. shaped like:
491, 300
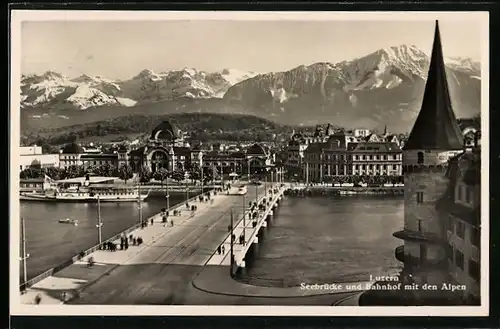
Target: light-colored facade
375, 158
42, 160
32, 156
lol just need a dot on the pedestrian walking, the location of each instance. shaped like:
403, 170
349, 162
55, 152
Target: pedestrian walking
172, 222
134, 241
38, 299
219, 250
223, 249
126, 244
152, 221
64, 296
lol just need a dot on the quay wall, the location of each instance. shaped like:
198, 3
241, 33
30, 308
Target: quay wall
50, 272
345, 190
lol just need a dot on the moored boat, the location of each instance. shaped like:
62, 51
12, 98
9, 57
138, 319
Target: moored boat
69, 221
87, 189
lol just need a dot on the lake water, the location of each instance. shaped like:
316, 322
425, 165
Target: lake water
328, 240
50, 243
312, 239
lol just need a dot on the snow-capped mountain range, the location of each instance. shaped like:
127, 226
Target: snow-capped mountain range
384, 87
84, 92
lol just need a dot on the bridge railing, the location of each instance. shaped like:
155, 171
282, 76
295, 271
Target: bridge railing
261, 219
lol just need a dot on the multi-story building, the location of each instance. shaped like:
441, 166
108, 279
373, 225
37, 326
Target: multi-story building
166, 148
432, 194
375, 158
342, 155
32, 156
463, 227
74, 154
69, 155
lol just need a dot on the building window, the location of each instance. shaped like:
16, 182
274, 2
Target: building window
474, 270
370, 157
363, 157
459, 196
468, 194
451, 224
420, 197
460, 229
364, 167
449, 252
475, 236
459, 259
394, 167
420, 156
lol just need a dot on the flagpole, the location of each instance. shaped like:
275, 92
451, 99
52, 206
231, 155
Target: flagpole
99, 223
25, 255
140, 201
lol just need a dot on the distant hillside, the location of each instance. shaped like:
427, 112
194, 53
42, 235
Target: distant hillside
199, 126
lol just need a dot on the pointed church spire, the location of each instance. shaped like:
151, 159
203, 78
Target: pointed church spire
385, 130
436, 127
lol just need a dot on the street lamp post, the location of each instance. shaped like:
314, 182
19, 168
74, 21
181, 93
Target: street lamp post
232, 243
248, 170
25, 255
99, 223
167, 195
201, 168
140, 202
244, 215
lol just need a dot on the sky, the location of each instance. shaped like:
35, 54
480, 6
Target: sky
120, 50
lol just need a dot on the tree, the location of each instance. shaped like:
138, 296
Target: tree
208, 175
125, 172
75, 171
178, 175
145, 174
195, 173
161, 174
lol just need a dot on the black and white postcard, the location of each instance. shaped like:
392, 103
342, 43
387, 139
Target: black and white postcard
249, 163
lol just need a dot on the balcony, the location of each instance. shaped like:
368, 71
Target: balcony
418, 236
417, 262
400, 253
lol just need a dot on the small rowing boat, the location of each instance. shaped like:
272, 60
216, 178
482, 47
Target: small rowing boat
69, 221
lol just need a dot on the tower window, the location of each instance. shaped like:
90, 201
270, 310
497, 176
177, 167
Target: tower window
459, 259
420, 156
420, 197
474, 270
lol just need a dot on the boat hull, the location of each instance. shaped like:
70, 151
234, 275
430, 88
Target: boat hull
47, 198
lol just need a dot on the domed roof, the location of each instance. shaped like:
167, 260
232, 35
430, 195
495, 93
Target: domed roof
256, 149
72, 148
166, 131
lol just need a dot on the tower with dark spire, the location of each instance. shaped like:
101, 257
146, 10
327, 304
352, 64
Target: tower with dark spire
434, 139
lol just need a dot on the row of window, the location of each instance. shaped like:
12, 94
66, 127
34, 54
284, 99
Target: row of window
458, 227
457, 258
465, 193
363, 157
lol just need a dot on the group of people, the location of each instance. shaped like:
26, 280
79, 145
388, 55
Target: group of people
221, 250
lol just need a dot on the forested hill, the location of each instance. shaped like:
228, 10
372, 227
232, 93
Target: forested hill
200, 126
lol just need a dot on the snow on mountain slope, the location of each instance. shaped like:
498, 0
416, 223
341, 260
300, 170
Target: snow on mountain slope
386, 69
148, 86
